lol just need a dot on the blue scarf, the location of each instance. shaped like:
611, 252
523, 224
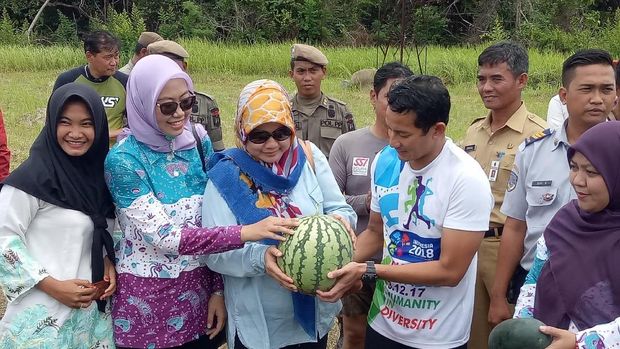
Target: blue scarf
224, 170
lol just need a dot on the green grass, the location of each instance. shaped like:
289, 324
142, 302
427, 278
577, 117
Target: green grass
23, 97
27, 74
456, 65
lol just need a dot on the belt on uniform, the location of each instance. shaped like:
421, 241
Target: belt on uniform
494, 232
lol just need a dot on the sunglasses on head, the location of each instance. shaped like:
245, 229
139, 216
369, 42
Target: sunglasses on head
260, 137
168, 108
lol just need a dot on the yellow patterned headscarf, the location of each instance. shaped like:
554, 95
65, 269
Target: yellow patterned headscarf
261, 102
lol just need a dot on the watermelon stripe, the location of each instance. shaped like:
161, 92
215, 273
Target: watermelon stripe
320, 244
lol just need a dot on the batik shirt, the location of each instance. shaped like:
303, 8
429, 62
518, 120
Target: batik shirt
451, 192
37, 240
598, 337
164, 285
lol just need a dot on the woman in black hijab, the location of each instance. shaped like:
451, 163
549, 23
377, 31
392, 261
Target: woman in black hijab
56, 265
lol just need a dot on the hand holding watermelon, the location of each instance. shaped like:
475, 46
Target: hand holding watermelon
269, 228
347, 226
525, 333
348, 279
272, 269
561, 338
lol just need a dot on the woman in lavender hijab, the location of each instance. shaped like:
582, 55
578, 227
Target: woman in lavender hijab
574, 284
166, 296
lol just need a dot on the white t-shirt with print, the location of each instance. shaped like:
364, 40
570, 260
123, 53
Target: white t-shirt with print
451, 192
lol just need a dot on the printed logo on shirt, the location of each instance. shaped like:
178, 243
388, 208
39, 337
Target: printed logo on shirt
360, 166
418, 191
109, 101
410, 247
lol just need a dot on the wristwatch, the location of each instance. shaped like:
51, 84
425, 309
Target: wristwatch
371, 272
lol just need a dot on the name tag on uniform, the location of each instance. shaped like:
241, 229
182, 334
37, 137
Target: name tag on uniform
360, 166
493, 171
541, 183
470, 147
331, 123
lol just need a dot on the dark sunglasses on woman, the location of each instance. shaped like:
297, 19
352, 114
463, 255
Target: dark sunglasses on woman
168, 108
260, 137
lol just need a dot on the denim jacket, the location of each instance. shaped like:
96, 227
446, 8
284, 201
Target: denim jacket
260, 311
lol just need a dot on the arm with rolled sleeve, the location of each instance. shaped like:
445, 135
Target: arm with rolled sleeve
138, 205
338, 165
19, 271
245, 262
333, 200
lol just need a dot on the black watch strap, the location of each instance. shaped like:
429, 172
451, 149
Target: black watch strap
371, 272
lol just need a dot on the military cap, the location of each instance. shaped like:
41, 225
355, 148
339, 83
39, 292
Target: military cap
147, 38
308, 53
167, 47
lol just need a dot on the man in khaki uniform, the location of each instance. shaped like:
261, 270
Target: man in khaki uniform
318, 117
145, 39
493, 141
205, 111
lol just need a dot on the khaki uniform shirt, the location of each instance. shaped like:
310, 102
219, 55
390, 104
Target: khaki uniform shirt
495, 152
127, 68
321, 122
207, 113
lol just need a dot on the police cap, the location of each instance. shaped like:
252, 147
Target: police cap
147, 38
168, 47
301, 52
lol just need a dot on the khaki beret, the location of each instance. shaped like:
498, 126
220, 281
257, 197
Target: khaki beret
169, 47
147, 38
308, 53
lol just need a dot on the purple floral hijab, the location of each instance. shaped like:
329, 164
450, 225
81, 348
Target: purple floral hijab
147, 79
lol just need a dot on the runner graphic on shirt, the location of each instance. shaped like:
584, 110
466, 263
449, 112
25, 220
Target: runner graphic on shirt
418, 192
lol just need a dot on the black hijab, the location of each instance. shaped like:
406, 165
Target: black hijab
580, 282
72, 182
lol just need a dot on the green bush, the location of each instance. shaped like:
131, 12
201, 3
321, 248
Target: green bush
124, 26
8, 33
66, 32
430, 25
190, 22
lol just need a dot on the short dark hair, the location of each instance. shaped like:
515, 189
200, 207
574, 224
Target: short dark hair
583, 58
513, 54
98, 41
138, 48
424, 95
392, 70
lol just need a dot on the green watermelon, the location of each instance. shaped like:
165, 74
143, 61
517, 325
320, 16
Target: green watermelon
320, 244
519, 334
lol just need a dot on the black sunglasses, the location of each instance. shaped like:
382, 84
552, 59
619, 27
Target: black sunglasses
260, 137
168, 108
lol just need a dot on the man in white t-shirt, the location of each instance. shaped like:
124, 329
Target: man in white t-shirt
430, 207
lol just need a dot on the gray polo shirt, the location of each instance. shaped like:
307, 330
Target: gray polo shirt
538, 186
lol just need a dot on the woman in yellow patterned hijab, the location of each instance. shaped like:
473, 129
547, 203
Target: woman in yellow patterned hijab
266, 175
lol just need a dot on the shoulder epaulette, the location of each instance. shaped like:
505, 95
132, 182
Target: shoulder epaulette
538, 136
205, 95
537, 120
335, 100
